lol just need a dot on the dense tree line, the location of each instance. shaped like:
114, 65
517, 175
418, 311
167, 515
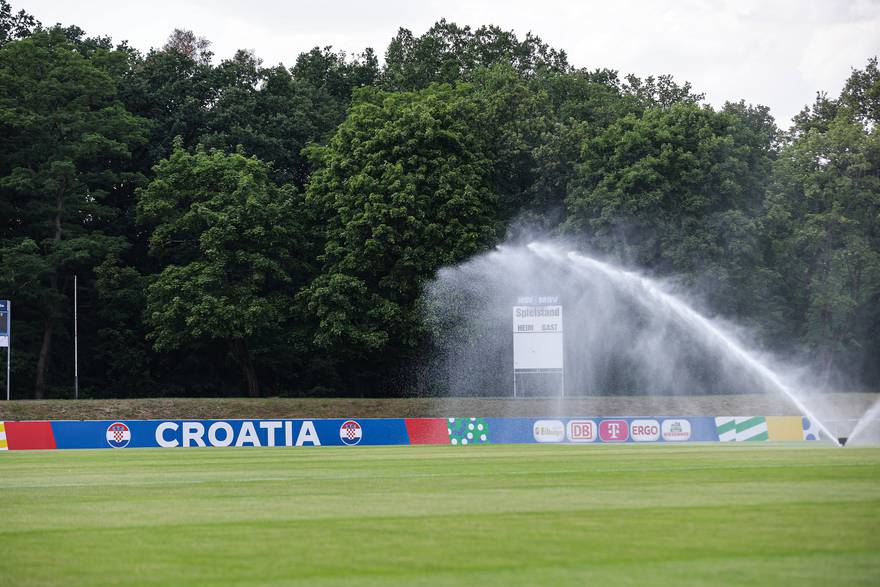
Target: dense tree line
243, 228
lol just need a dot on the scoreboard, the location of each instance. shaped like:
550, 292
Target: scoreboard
4, 323
538, 349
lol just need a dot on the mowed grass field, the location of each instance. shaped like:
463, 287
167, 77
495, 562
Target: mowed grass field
482, 515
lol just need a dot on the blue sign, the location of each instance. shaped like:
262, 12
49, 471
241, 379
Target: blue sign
4, 317
191, 433
4, 323
118, 434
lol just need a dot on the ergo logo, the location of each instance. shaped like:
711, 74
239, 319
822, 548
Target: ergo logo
645, 430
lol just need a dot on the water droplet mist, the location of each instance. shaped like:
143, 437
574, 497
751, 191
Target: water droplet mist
624, 333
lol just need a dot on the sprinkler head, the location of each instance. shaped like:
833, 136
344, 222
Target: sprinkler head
842, 440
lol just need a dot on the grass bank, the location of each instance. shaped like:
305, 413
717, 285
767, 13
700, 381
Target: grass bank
845, 404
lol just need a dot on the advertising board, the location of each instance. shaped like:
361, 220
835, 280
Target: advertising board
581, 430
537, 336
548, 431
4, 323
354, 432
645, 430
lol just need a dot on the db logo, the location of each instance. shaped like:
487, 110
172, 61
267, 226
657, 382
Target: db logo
581, 430
613, 430
350, 432
118, 435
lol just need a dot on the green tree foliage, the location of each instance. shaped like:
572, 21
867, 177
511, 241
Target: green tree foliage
402, 188
462, 136
448, 53
185, 42
275, 113
174, 91
580, 105
229, 240
334, 74
64, 145
17, 25
272, 112
861, 95
515, 119
823, 208
661, 91
120, 343
677, 189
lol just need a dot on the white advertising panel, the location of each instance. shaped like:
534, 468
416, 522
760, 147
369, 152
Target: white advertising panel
537, 337
548, 431
645, 430
581, 430
676, 430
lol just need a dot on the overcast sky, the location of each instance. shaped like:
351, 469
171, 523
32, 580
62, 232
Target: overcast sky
772, 52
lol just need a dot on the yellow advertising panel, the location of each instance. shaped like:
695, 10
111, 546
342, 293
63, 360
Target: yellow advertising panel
785, 427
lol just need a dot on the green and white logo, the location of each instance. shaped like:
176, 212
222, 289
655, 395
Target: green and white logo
468, 431
740, 428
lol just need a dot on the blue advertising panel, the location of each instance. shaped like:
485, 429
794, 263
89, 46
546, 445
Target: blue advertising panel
401, 431
601, 430
191, 433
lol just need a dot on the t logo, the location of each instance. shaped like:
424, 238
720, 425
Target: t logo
613, 430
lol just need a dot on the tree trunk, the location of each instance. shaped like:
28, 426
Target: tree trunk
42, 362
49, 321
242, 356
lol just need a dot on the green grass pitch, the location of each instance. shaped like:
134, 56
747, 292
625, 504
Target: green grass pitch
484, 515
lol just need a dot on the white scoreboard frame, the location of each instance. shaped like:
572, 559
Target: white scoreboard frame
538, 340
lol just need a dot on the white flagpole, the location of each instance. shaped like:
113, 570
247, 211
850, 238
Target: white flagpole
75, 345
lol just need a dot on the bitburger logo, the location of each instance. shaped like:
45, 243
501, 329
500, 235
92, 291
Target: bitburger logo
548, 431
676, 430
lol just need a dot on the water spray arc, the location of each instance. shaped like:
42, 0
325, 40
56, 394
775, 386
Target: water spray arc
639, 284
863, 427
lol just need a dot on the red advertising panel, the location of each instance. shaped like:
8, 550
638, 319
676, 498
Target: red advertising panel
29, 435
